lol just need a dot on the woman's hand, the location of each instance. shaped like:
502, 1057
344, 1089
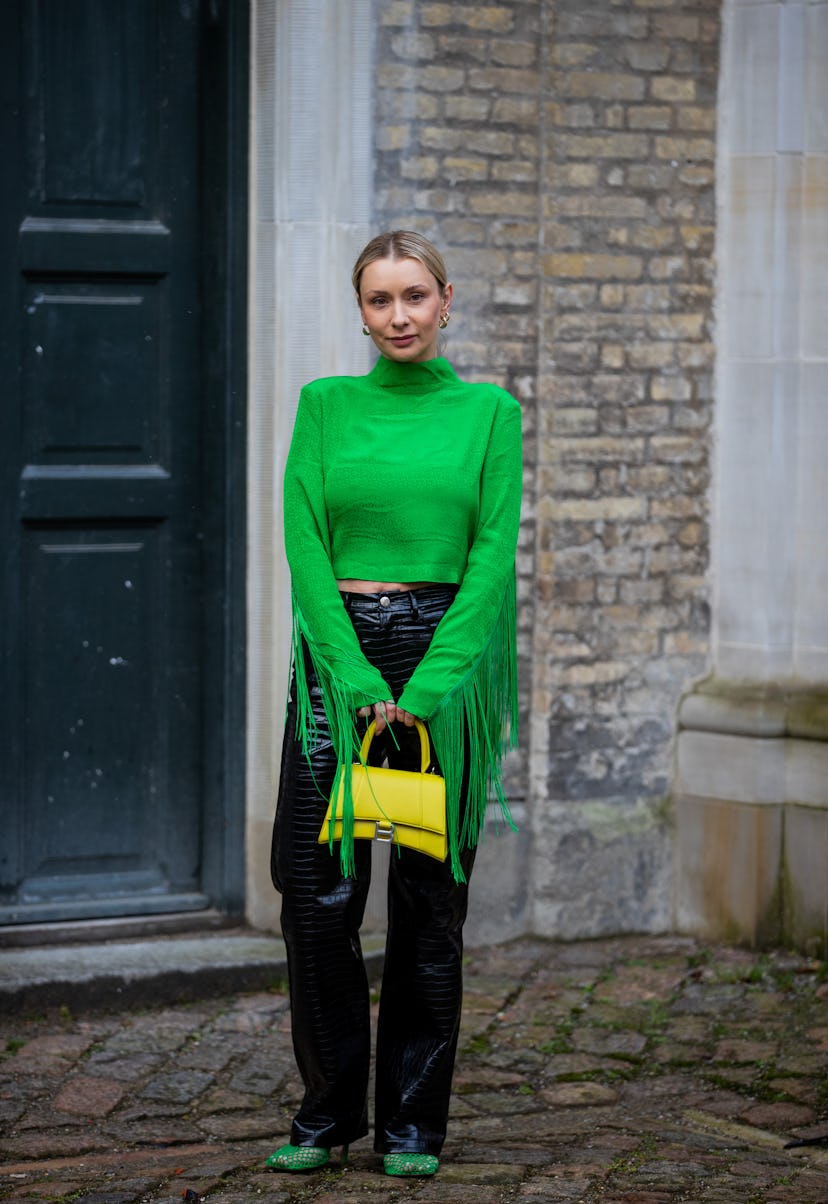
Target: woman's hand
387, 712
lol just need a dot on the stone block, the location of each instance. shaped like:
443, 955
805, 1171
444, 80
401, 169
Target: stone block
575, 175
612, 296
806, 876
458, 167
490, 142
501, 911
514, 54
599, 23
503, 79
515, 171
692, 117
728, 857
513, 110
602, 146
397, 12
647, 56
650, 117
593, 266
671, 388
615, 509
492, 18
685, 149
393, 137
440, 137
811, 589
667, 267
650, 355
815, 82
672, 28
814, 265
413, 46
673, 88
505, 204
806, 774
418, 167
468, 48
621, 849
733, 768
90, 1096
753, 54
601, 85
653, 238
468, 108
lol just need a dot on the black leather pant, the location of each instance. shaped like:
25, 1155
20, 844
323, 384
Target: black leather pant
322, 911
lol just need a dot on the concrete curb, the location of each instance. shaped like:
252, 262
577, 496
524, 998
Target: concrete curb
138, 973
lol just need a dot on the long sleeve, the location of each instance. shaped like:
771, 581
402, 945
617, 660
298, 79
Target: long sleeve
347, 678
466, 684
465, 633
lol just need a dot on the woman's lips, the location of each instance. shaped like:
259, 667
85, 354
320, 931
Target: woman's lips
403, 340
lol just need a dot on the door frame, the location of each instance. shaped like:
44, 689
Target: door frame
224, 121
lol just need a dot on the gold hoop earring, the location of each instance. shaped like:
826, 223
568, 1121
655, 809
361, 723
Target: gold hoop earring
444, 321
365, 330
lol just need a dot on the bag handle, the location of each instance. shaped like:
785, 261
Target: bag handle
425, 747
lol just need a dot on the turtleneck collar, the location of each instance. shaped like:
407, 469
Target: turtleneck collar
436, 373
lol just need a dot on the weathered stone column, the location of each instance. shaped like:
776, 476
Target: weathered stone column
310, 213
752, 797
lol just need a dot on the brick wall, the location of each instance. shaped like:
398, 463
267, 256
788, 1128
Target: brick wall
562, 155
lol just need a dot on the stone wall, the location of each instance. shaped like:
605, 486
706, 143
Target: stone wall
562, 155
625, 374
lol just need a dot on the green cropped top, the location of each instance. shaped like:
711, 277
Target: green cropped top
410, 474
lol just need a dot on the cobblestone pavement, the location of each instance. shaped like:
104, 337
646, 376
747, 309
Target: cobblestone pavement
637, 1070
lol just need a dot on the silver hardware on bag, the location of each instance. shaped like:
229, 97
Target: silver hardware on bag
385, 832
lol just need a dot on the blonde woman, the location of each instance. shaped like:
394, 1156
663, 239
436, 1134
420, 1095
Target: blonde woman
401, 503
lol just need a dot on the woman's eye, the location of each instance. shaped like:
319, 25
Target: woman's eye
416, 297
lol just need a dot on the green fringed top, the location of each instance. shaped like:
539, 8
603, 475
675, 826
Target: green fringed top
410, 474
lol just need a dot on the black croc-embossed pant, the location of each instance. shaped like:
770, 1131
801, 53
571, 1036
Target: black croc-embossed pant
322, 912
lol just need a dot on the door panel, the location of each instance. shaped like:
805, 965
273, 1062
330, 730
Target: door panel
92, 70
102, 407
80, 335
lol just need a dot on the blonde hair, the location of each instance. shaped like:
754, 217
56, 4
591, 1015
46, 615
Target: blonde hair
401, 244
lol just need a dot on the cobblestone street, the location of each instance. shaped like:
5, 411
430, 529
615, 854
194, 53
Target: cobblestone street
637, 1070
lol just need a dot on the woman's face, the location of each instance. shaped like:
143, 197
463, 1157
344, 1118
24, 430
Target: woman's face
401, 304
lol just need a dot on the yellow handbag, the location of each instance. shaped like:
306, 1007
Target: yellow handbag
396, 805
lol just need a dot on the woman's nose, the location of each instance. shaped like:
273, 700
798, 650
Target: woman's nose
399, 317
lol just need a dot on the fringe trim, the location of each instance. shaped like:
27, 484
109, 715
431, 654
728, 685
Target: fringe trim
338, 702
483, 707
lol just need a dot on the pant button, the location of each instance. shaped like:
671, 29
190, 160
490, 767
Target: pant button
385, 600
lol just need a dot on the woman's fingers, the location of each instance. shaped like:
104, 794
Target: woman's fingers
387, 712
384, 712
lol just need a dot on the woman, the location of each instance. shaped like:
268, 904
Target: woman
402, 502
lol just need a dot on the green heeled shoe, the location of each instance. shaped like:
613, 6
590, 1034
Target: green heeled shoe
408, 1163
302, 1158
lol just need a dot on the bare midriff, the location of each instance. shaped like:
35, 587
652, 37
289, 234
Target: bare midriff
350, 585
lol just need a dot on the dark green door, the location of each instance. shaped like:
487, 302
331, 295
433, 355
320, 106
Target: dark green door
101, 449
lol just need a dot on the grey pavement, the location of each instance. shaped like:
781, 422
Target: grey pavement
634, 1070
